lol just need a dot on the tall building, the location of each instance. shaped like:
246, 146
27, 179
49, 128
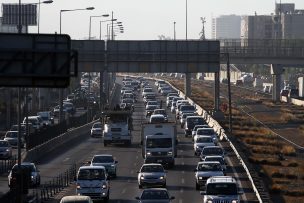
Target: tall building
257, 27
7, 28
226, 27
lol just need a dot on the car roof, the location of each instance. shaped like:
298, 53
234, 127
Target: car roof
208, 162
155, 189
152, 164
103, 155
92, 167
221, 179
205, 129
75, 198
157, 116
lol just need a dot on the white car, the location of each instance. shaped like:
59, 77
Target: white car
217, 158
205, 170
197, 127
183, 118
207, 131
200, 142
96, 130
152, 175
107, 161
221, 189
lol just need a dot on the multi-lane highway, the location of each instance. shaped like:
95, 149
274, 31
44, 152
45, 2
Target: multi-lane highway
180, 179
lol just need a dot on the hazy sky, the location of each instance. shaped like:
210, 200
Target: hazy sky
145, 19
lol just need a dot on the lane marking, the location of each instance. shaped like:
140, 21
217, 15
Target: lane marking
183, 163
180, 201
66, 159
183, 172
123, 191
183, 181
181, 190
132, 171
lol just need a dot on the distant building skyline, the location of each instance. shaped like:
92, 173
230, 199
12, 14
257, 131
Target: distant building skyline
226, 27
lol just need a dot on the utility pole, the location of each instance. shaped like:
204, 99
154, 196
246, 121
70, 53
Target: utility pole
202, 33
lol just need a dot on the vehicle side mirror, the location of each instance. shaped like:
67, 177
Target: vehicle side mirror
172, 197
195, 170
137, 198
116, 162
202, 192
75, 178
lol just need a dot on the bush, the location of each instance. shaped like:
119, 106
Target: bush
293, 164
277, 174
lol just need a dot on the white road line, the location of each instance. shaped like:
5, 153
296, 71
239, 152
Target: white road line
183, 163
183, 172
183, 181
123, 191
181, 190
137, 157
132, 171
66, 159
180, 201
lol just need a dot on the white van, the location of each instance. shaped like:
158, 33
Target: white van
36, 122
46, 117
92, 181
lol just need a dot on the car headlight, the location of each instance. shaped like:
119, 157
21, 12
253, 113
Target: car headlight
7, 150
142, 177
78, 186
104, 186
200, 178
32, 177
113, 165
234, 201
209, 201
148, 153
162, 177
169, 153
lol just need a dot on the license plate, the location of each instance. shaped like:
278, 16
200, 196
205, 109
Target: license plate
116, 138
159, 161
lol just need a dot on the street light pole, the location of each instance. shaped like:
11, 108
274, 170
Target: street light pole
186, 19
174, 31
61, 90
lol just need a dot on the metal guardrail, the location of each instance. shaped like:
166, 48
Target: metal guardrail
6, 165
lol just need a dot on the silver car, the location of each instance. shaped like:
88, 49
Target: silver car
96, 130
205, 170
152, 175
155, 195
107, 161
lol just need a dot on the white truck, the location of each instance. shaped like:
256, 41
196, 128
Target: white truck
117, 126
159, 143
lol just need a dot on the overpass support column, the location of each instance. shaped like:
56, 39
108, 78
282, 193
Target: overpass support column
216, 91
101, 94
187, 85
276, 72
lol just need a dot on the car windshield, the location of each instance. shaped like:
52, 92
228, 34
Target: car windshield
12, 134
219, 159
159, 143
102, 159
148, 90
29, 166
212, 151
154, 194
209, 167
163, 112
186, 115
91, 174
151, 107
152, 103
221, 189
152, 168
157, 119
97, 125
205, 132
150, 96
129, 101
15, 128
4, 144
204, 140
187, 108
193, 121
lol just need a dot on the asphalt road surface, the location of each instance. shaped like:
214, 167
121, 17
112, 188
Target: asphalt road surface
123, 189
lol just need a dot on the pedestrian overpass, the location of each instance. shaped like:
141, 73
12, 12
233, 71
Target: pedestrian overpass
187, 57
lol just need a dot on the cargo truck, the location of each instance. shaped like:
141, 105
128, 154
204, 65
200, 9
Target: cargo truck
159, 143
117, 126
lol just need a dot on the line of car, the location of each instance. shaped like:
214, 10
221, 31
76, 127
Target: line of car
152, 177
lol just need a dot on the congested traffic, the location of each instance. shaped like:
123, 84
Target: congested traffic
165, 111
